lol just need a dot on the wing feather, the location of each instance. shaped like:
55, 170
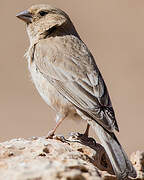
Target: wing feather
78, 80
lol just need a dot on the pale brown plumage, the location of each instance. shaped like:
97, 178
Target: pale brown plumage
66, 76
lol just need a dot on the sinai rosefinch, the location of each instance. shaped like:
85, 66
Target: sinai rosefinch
68, 79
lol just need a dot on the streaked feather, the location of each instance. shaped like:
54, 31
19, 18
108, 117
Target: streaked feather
79, 81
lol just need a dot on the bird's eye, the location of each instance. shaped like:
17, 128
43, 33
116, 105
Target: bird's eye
43, 13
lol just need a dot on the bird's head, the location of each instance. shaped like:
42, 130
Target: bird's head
43, 20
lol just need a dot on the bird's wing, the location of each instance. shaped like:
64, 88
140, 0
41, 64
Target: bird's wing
77, 78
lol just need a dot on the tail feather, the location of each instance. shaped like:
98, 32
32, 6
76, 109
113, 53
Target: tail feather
118, 158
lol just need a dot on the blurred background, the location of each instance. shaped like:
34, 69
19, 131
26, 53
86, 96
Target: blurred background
113, 31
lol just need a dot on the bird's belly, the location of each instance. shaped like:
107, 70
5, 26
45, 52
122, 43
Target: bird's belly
50, 95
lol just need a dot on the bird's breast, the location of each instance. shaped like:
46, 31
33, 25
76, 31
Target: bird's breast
49, 94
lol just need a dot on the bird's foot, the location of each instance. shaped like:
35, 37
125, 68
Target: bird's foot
60, 138
50, 135
82, 138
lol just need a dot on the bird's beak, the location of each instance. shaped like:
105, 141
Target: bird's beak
26, 16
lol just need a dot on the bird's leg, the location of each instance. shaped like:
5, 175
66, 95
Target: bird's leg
59, 120
83, 138
79, 135
86, 133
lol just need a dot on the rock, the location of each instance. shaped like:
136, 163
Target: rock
58, 159
137, 158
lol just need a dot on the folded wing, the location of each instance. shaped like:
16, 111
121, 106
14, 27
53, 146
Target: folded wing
77, 78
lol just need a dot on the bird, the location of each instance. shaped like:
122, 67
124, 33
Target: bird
66, 76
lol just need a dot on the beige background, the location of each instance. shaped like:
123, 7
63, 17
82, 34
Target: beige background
113, 31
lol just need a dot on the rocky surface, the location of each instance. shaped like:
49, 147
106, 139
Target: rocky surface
38, 158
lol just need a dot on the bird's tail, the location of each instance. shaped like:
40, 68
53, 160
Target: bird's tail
118, 158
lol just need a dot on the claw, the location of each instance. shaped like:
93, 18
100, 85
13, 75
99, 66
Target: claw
50, 135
